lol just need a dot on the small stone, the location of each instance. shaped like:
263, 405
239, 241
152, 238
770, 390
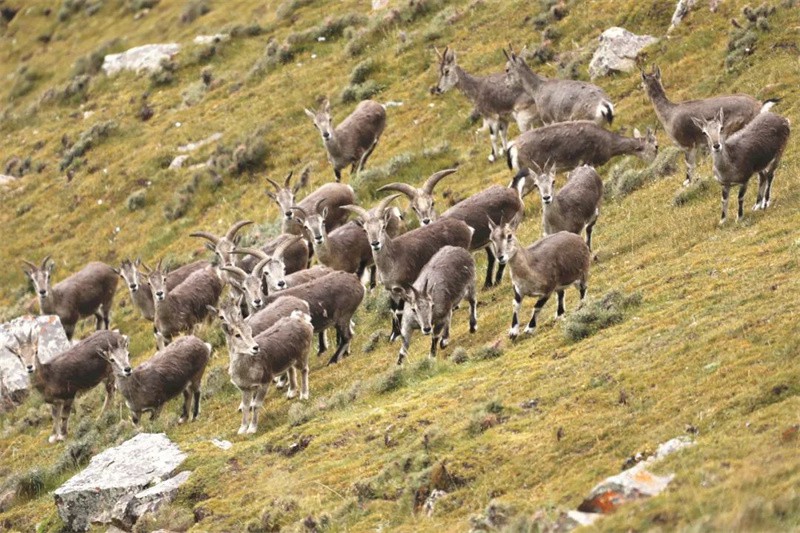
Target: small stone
178, 162
145, 58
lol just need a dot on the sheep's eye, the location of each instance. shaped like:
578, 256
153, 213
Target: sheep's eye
508, 238
238, 335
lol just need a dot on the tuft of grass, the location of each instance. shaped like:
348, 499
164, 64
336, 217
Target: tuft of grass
362, 70
599, 314
488, 352
91, 63
136, 200
287, 8
194, 9
623, 179
164, 75
374, 340
743, 38
360, 91
25, 79
87, 140
390, 380
134, 6
459, 356
171, 517
485, 417
72, 92
696, 190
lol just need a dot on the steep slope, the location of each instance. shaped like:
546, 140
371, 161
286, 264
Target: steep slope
713, 345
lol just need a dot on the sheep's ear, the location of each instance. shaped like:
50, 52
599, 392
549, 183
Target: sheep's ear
358, 222
126, 341
657, 72
636, 133
721, 116
700, 123
310, 114
212, 309
326, 106
13, 350
515, 221
492, 225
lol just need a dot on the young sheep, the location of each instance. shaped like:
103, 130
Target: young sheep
448, 278
757, 147
296, 254
559, 100
139, 287
549, 265
223, 245
80, 368
568, 145
173, 370
335, 195
87, 292
496, 202
354, 139
399, 260
256, 361
678, 118
575, 207
494, 101
180, 309
332, 301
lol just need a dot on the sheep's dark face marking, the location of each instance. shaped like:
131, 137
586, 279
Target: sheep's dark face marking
503, 242
130, 274
41, 280
119, 358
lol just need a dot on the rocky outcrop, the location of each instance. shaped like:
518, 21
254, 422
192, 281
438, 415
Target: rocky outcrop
145, 58
617, 51
121, 483
52, 341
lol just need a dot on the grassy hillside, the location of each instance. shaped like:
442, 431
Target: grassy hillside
712, 347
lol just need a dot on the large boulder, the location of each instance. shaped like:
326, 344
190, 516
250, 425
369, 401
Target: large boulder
128, 510
146, 58
118, 477
617, 51
52, 341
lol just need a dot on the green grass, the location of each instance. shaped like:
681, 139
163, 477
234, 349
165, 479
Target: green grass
713, 343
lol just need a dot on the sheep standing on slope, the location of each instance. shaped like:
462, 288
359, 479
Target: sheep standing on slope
80, 368
88, 292
354, 139
549, 265
173, 370
139, 287
255, 361
448, 278
757, 147
575, 207
678, 118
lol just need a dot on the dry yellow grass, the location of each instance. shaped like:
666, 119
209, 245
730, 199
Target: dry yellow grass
713, 345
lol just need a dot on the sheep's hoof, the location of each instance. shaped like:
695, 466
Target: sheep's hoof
304, 396
51, 439
513, 333
443, 343
491, 158
182, 420
252, 429
502, 151
242, 430
473, 328
291, 394
530, 331
721, 222
687, 182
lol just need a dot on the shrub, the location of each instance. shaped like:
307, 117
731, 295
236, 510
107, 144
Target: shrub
696, 189
25, 80
488, 352
361, 91
624, 180
194, 9
390, 380
459, 356
599, 314
72, 92
164, 75
169, 517
485, 417
136, 200
87, 140
92, 63
361, 72
140, 5
286, 9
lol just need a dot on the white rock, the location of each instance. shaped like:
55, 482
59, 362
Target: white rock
191, 147
178, 162
222, 444
116, 474
617, 51
211, 39
128, 510
379, 4
52, 341
6, 180
145, 58
682, 9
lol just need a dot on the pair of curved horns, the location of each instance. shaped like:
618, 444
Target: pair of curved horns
34, 267
229, 235
427, 187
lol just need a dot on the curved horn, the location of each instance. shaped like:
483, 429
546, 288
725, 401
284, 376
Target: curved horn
206, 235
357, 209
261, 254
146, 268
44, 262
385, 203
235, 270
434, 179
281, 248
318, 204
272, 182
34, 267
299, 210
405, 188
438, 53
236, 227
258, 269
288, 178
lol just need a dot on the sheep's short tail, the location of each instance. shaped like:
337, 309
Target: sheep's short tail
767, 105
606, 110
518, 180
391, 103
511, 155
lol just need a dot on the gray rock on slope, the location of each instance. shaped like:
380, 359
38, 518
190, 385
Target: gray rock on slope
52, 341
617, 51
146, 58
116, 479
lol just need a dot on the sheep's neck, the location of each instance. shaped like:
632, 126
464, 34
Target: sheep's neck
661, 103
